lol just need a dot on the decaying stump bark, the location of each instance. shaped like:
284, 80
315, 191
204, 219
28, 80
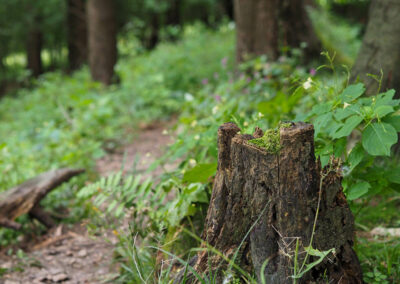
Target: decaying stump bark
25, 198
270, 201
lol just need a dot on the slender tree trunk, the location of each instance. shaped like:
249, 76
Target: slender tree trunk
102, 39
2, 66
297, 27
380, 48
77, 34
154, 36
257, 28
34, 50
174, 13
263, 208
227, 6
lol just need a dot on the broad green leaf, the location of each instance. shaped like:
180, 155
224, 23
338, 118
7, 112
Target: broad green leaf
325, 153
339, 147
342, 113
378, 138
393, 120
382, 111
356, 156
350, 123
386, 99
332, 126
200, 173
352, 92
394, 175
321, 121
321, 108
357, 190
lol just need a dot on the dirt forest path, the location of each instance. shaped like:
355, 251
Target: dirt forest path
68, 254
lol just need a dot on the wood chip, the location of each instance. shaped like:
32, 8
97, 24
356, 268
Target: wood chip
59, 277
82, 253
380, 231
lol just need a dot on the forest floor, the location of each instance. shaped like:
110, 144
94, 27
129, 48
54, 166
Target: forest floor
70, 254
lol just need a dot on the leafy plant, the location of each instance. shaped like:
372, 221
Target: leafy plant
360, 130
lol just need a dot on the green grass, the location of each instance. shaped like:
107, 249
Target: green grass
379, 255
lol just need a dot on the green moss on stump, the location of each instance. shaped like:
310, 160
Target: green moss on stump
271, 141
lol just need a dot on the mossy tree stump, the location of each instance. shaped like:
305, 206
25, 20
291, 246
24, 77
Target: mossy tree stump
270, 201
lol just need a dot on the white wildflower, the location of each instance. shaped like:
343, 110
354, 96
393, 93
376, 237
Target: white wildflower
345, 105
194, 123
260, 115
245, 124
192, 162
197, 137
215, 110
189, 97
307, 84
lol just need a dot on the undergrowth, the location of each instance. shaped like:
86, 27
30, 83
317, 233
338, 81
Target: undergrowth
58, 124
70, 121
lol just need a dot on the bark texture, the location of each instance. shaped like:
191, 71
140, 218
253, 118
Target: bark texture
256, 28
33, 51
379, 50
102, 29
154, 32
174, 13
263, 25
77, 34
297, 27
267, 201
25, 198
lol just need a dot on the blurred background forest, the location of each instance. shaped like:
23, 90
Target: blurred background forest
95, 84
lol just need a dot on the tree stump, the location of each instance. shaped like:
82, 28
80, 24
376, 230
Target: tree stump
25, 198
262, 204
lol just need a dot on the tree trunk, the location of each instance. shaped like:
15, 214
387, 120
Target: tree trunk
262, 203
154, 32
256, 28
228, 8
34, 50
102, 40
77, 34
297, 26
2, 66
174, 13
379, 50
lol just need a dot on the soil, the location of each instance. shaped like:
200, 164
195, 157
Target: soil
69, 254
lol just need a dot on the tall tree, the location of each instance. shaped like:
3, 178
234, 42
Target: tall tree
263, 25
227, 6
153, 36
297, 27
256, 28
77, 33
379, 50
174, 13
102, 39
34, 49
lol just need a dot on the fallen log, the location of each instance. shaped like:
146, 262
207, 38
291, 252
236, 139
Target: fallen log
262, 213
25, 198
